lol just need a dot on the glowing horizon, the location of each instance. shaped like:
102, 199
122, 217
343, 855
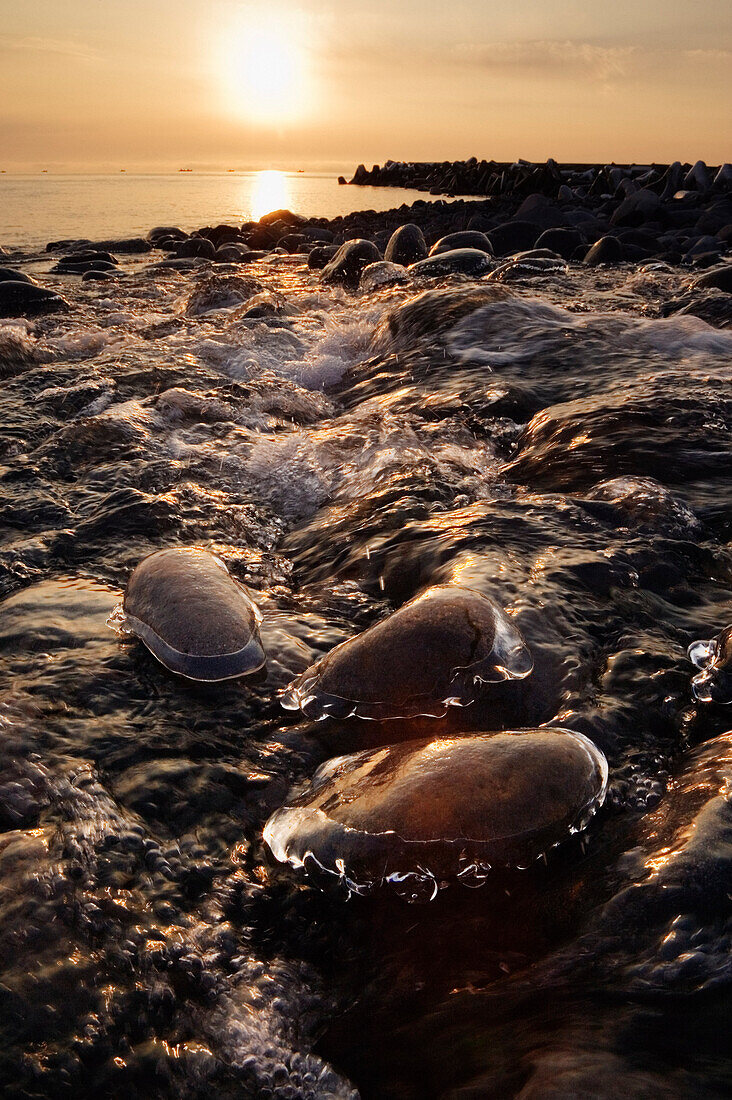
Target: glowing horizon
227, 84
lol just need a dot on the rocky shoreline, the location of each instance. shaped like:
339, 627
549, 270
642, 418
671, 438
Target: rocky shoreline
675, 215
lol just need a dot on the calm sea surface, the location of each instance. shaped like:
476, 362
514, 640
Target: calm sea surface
39, 208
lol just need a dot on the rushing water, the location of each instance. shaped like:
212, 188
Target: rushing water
39, 208
340, 465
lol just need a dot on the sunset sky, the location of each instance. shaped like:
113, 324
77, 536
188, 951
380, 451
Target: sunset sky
156, 84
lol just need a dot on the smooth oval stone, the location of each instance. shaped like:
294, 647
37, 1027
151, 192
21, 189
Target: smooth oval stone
192, 615
406, 245
381, 273
432, 653
22, 299
349, 261
415, 814
528, 268
644, 502
714, 657
458, 261
464, 238
9, 275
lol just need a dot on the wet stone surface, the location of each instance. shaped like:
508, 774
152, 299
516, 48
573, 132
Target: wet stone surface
558, 445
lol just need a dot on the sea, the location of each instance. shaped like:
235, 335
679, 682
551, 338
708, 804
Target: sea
556, 444
35, 209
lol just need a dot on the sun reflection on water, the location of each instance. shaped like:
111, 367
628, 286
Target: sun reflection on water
270, 191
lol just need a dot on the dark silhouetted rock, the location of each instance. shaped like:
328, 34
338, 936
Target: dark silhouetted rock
406, 245
466, 238
8, 275
196, 246
562, 241
19, 299
513, 236
459, 261
608, 250
717, 277
349, 261
322, 254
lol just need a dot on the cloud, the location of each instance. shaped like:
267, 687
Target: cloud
58, 46
546, 56
709, 57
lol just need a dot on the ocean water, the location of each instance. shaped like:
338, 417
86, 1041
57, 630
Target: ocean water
40, 208
342, 454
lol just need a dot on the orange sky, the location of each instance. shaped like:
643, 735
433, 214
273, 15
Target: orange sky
157, 84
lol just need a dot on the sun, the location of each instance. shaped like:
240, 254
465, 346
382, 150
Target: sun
265, 72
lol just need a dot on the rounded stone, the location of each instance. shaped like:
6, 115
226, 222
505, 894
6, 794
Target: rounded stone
713, 684
434, 652
465, 238
458, 261
608, 250
417, 814
349, 261
406, 245
192, 615
22, 299
9, 275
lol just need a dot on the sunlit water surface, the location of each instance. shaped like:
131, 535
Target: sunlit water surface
39, 208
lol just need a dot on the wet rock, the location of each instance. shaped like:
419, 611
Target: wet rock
406, 245
125, 245
431, 313
434, 652
416, 814
80, 268
719, 278
564, 242
349, 261
196, 246
285, 216
160, 231
459, 261
608, 250
231, 253
321, 255
95, 275
527, 267
192, 615
9, 275
642, 502
22, 299
713, 684
466, 238
513, 236
381, 273
220, 292
635, 209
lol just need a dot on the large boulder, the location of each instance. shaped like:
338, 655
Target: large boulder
718, 277
465, 238
19, 299
9, 275
321, 255
349, 261
564, 242
608, 250
459, 261
196, 246
406, 245
513, 236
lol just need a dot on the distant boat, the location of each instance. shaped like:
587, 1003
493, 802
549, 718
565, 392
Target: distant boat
123, 169
185, 169
45, 170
